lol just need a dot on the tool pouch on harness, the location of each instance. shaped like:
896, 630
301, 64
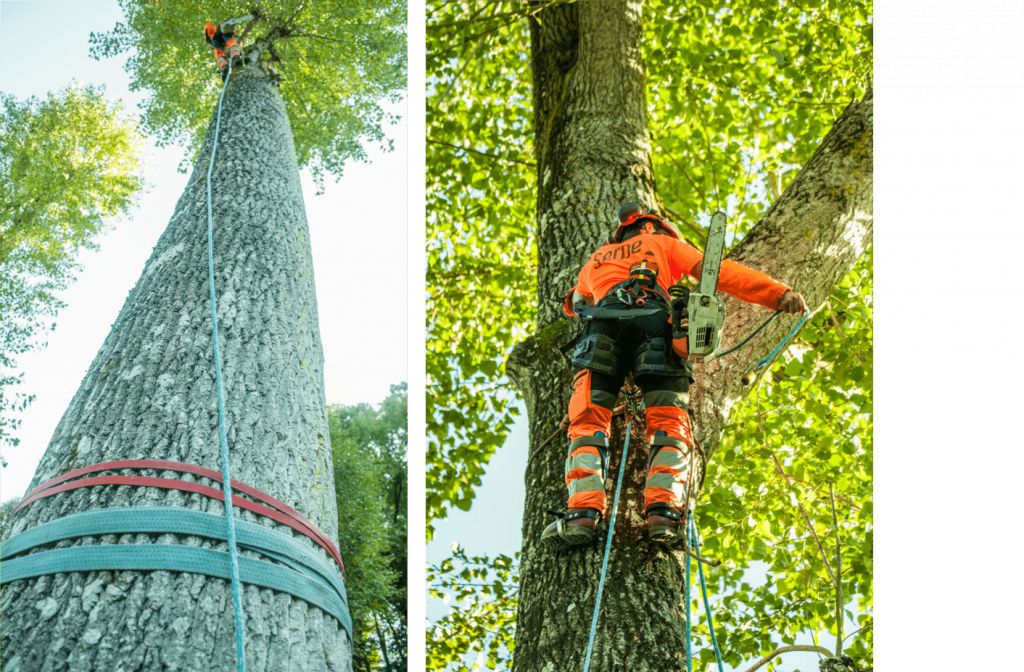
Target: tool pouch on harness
644, 274
656, 356
598, 352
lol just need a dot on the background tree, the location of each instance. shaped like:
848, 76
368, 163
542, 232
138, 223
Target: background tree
149, 392
369, 448
69, 166
723, 105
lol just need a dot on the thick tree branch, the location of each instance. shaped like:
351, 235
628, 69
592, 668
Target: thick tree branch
808, 239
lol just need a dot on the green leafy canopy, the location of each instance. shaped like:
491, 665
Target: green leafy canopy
368, 446
69, 165
337, 62
483, 594
738, 98
481, 256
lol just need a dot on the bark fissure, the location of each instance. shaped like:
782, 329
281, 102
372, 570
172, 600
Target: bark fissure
149, 393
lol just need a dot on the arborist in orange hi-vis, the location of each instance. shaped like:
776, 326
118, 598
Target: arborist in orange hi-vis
225, 45
623, 296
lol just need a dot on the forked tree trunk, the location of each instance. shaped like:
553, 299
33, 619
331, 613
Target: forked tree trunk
150, 394
593, 152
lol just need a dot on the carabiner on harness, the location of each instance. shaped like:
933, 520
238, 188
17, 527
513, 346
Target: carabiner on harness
630, 293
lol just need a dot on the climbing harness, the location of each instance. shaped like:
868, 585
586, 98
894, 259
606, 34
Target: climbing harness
221, 38
694, 540
607, 550
225, 467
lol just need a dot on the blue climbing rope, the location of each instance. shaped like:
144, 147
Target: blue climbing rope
781, 344
686, 598
607, 550
695, 543
225, 467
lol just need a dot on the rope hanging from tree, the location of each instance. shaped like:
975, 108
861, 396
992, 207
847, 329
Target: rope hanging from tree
225, 466
761, 363
694, 539
607, 550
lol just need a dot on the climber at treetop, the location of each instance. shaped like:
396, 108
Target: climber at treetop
622, 294
225, 45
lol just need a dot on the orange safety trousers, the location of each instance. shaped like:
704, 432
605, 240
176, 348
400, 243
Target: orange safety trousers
231, 49
669, 436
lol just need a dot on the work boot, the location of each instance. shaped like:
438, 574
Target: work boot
664, 525
571, 529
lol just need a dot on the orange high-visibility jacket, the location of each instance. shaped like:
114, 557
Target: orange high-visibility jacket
673, 259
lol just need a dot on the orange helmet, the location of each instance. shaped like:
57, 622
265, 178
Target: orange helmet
632, 213
209, 30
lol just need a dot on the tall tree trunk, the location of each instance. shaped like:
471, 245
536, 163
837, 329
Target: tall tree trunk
149, 393
593, 152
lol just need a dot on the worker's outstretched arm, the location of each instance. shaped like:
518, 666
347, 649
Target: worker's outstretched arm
749, 285
745, 283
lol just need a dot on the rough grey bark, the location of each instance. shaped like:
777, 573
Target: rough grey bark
149, 393
593, 149
593, 152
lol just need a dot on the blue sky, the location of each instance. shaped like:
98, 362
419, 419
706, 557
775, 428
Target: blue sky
44, 47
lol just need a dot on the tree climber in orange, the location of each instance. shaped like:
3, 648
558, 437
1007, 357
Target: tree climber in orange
225, 45
622, 295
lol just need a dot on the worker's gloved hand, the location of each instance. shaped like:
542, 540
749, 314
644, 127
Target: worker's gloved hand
791, 302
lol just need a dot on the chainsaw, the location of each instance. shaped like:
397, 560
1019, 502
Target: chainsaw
227, 23
698, 316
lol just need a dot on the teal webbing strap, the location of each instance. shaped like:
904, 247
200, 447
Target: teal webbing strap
607, 551
177, 558
229, 516
695, 543
175, 520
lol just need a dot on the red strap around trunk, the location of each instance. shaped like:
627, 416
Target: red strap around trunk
285, 514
